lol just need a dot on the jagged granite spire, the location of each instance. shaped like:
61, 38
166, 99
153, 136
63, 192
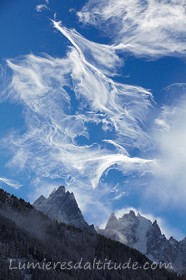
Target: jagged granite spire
61, 205
40, 200
112, 222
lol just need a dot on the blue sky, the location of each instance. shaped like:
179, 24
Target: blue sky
93, 97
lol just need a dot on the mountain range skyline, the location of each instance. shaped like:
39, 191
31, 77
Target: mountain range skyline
45, 241
131, 229
57, 205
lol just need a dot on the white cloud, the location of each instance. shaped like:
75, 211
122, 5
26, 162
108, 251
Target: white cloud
99, 57
169, 184
125, 105
144, 28
39, 8
10, 183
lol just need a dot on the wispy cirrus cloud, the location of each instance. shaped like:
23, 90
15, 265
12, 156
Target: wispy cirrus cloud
39, 8
144, 28
61, 98
116, 100
11, 183
90, 52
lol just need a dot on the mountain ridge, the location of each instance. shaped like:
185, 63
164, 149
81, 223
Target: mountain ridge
29, 235
138, 232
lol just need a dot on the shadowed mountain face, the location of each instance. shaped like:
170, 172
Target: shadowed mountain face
140, 233
61, 205
27, 235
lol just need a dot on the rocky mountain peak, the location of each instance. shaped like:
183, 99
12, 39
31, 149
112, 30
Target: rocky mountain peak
156, 229
58, 192
112, 221
62, 206
132, 213
40, 200
173, 241
140, 233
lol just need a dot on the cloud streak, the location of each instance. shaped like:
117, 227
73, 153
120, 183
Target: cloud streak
39, 8
150, 28
10, 183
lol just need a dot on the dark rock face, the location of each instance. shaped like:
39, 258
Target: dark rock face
140, 233
61, 205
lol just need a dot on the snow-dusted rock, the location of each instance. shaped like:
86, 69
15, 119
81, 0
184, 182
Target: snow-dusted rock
61, 205
140, 233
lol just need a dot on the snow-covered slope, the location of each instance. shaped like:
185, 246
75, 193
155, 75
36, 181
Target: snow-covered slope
140, 233
61, 205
